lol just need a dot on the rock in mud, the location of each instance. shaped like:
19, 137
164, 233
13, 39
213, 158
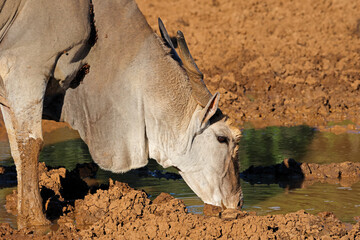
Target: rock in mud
51, 178
211, 210
332, 170
11, 203
163, 198
93, 207
232, 214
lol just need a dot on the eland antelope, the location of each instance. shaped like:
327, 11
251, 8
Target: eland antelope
130, 94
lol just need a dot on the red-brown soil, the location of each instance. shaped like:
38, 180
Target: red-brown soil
275, 63
118, 211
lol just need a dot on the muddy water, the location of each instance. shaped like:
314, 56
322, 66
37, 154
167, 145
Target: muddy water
273, 144
257, 147
319, 197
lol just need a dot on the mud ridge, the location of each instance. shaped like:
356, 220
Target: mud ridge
292, 174
119, 211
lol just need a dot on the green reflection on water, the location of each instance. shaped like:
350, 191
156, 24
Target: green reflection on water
6, 217
328, 148
272, 145
66, 154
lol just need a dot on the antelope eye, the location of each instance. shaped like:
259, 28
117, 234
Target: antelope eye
222, 139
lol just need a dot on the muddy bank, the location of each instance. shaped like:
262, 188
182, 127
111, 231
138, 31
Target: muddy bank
129, 214
118, 211
60, 188
125, 213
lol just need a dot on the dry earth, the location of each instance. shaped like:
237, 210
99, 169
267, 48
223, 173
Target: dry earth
275, 62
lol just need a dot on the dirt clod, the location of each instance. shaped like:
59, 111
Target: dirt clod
232, 214
211, 210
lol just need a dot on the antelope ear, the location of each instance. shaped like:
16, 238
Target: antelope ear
210, 109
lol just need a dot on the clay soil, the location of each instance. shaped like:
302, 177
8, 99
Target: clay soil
116, 211
275, 63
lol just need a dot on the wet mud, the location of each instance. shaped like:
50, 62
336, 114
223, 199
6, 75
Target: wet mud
115, 210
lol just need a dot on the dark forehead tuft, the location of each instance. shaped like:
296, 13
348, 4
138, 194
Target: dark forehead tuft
218, 116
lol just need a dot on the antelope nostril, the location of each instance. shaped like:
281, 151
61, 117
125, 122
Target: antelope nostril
240, 203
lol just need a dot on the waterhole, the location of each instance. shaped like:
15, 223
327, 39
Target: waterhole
258, 147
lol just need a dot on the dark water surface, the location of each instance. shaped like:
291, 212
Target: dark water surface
257, 147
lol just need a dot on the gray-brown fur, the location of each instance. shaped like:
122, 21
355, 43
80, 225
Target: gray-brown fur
135, 103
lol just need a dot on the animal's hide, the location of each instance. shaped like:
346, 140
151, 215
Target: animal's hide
114, 133
8, 12
107, 108
131, 104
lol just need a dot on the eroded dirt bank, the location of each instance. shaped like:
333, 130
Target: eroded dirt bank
116, 211
275, 62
